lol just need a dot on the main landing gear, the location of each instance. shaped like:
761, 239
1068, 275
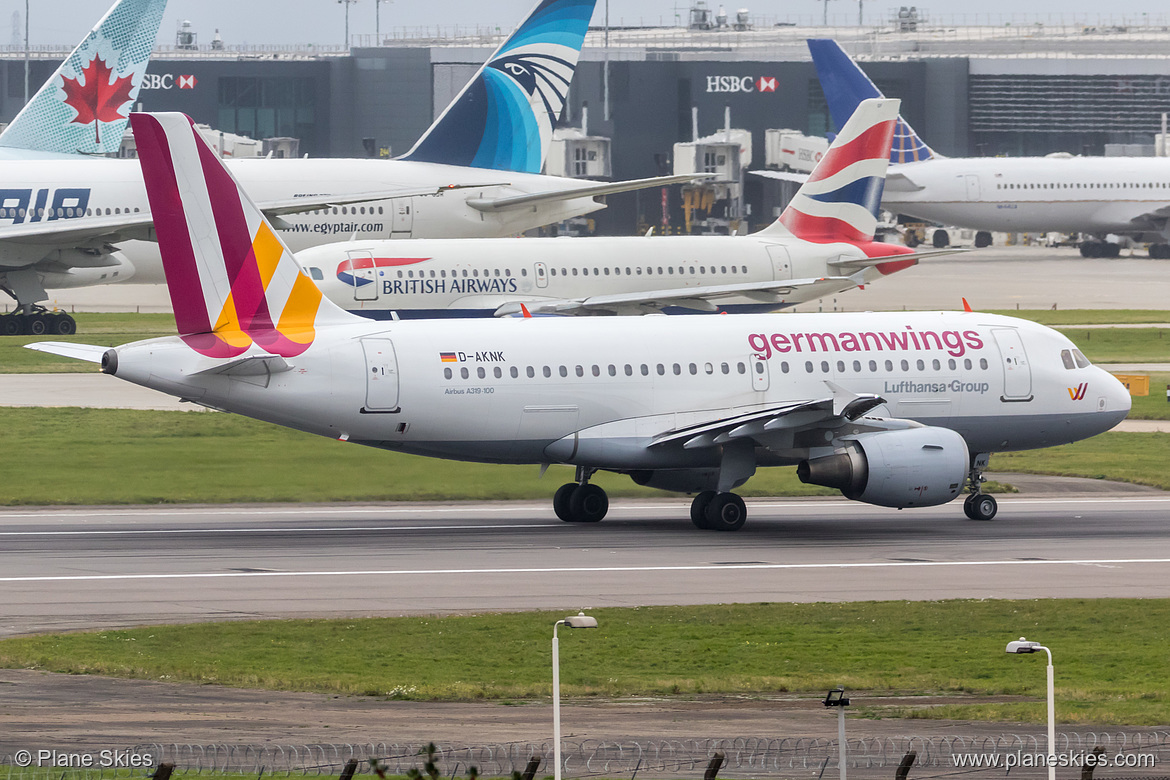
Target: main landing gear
714, 511
581, 502
979, 505
40, 321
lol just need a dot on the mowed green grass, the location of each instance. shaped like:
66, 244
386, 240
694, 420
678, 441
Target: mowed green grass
1111, 654
1122, 345
107, 330
1088, 316
116, 456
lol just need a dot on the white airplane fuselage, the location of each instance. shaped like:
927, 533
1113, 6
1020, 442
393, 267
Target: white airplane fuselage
456, 278
69, 190
1099, 195
597, 392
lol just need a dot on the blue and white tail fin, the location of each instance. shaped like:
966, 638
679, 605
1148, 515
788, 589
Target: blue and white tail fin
845, 85
504, 118
85, 105
840, 201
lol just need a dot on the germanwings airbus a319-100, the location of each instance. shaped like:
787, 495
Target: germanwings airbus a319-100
802, 256
70, 221
897, 409
1094, 195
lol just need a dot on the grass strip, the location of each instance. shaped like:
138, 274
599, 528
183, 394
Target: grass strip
957, 648
1122, 345
107, 330
1054, 318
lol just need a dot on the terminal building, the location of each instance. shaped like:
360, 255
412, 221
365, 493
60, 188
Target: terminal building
1021, 88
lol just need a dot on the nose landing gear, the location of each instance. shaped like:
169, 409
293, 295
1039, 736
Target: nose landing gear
979, 505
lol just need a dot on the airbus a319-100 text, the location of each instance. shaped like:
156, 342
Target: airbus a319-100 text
823, 243
895, 409
67, 220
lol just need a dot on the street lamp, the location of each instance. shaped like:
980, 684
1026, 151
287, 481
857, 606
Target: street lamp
837, 698
1020, 647
580, 620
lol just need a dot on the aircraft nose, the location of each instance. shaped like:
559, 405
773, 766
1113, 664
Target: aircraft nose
1114, 401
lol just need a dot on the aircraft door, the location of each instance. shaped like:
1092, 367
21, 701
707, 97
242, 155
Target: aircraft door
381, 376
364, 274
759, 370
972, 182
541, 275
781, 262
402, 217
1017, 374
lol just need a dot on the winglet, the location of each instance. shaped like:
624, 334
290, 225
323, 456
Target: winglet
232, 281
845, 85
85, 104
524, 309
504, 117
841, 199
966, 306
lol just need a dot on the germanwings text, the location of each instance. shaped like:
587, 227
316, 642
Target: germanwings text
955, 343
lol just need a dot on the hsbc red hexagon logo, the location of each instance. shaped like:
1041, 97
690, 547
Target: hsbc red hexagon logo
766, 84
189, 82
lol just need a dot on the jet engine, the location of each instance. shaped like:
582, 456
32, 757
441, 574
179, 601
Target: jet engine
914, 467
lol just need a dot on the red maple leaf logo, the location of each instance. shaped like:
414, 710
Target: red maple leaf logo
97, 99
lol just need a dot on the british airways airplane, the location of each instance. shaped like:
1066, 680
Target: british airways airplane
1127, 196
70, 222
798, 258
894, 409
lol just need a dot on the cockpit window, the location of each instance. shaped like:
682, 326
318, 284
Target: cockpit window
1082, 361
316, 273
1067, 358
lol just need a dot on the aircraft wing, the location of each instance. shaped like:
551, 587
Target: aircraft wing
697, 298
793, 176
594, 189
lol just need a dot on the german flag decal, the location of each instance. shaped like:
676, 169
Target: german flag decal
448, 357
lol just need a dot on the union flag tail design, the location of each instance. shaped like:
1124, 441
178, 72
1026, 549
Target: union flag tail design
841, 199
504, 118
84, 106
233, 282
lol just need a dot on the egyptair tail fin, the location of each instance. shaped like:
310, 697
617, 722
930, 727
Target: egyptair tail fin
504, 117
841, 198
233, 282
85, 104
845, 85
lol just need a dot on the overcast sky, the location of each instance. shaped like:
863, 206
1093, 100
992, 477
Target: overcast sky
323, 21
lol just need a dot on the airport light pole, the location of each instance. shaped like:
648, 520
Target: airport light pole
836, 698
1023, 646
580, 620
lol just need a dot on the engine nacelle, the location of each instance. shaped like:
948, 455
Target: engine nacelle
678, 480
82, 268
913, 467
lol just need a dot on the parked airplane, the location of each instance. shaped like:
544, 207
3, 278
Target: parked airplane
1127, 196
803, 255
66, 222
691, 404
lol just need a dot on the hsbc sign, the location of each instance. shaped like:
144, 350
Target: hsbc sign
741, 84
168, 81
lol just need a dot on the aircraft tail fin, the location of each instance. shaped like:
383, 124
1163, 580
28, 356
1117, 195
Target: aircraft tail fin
841, 199
86, 103
504, 118
845, 85
233, 282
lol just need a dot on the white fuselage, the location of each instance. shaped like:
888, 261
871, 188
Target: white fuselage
1099, 195
597, 392
34, 190
453, 278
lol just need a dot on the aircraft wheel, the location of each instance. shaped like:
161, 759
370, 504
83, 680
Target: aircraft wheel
699, 509
726, 512
941, 239
982, 239
1088, 249
980, 506
588, 504
1112, 250
11, 325
36, 325
65, 325
561, 501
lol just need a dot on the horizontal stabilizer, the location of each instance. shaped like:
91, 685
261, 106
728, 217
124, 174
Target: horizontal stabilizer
792, 176
88, 352
254, 365
858, 262
593, 190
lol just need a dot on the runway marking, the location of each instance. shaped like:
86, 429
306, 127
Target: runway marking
332, 529
518, 507
572, 570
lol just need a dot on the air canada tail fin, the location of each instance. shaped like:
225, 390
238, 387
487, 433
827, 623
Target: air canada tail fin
504, 117
845, 85
842, 196
86, 103
233, 282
